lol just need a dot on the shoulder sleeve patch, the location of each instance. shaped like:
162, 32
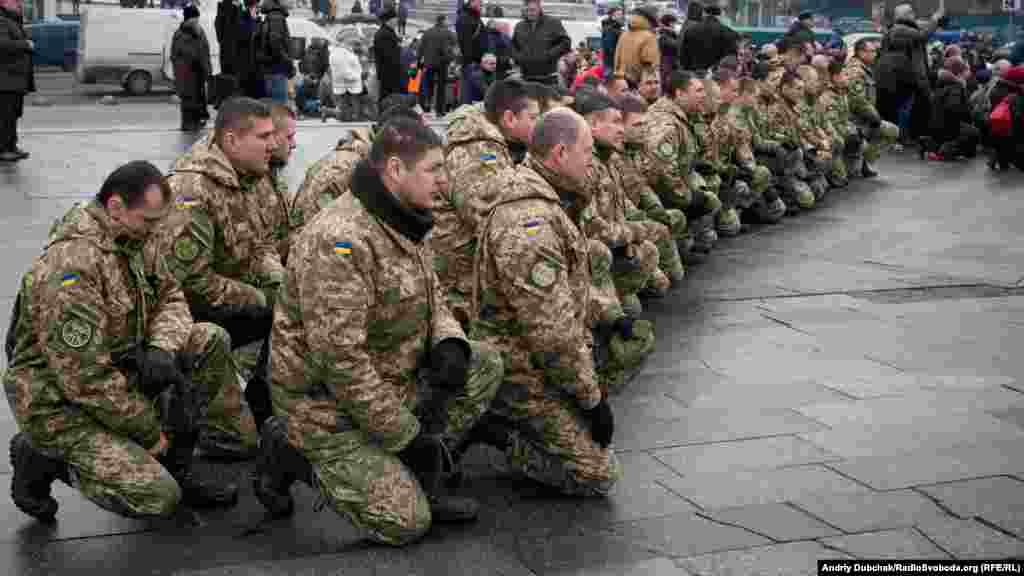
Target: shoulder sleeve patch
665, 150
543, 274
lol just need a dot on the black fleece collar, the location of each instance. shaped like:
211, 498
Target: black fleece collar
414, 224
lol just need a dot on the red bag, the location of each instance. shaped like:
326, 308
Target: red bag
1001, 120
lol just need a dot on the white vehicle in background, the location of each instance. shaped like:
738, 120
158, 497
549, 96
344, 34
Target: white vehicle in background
346, 72
125, 46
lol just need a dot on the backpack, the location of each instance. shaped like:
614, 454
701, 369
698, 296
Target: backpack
1001, 120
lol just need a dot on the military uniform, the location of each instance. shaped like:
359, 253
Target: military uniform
630, 165
360, 311
477, 157
90, 299
863, 93
219, 241
834, 106
732, 140
328, 177
532, 277
789, 124
670, 149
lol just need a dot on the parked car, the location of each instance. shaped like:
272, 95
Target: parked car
125, 46
56, 42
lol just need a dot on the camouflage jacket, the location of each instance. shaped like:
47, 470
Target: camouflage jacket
604, 218
476, 152
707, 141
634, 181
793, 123
284, 223
670, 149
822, 127
328, 178
732, 138
92, 295
220, 236
834, 106
532, 275
357, 316
860, 83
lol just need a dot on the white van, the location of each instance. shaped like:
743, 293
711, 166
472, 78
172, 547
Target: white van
124, 46
346, 71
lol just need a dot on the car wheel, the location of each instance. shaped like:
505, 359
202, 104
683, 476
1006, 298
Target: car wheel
138, 83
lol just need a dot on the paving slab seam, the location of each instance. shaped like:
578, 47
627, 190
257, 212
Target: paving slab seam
705, 516
851, 478
796, 506
917, 487
996, 527
707, 442
1015, 291
933, 542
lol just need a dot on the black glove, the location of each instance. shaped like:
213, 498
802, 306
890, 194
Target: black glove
158, 371
245, 323
790, 146
703, 168
424, 457
875, 122
619, 251
624, 326
449, 363
602, 423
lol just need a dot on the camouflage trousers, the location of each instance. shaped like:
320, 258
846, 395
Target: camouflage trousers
669, 260
639, 271
370, 486
791, 174
764, 203
614, 357
455, 272
604, 304
116, 473
735, 197
651, 206
229, 428
553, 446
875, 138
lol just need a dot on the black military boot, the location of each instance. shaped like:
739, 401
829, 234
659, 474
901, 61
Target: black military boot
195, 492
257, 396
429, 460
280, 465
868, 171
33, 475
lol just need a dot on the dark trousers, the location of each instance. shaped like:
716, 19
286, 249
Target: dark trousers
963, 143
434, 86
11, 105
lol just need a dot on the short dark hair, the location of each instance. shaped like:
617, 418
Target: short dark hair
130, 182
403, 137
679, 80
507, 95
238, 114
630, 104
554, 128
861, 44
593, 102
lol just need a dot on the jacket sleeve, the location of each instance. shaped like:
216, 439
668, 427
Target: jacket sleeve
532, 270
650, 54
661, 158
561, 44
861, 106
279, 39
169, 328
335, 290
593, 223
443, 323
77, 331
9, 44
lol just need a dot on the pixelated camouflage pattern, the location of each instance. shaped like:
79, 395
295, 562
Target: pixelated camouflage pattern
640, 193
603, 303
669, 150
219, 237
532, 274
359, 312
478, 160
328, 178
863, 93
286, 222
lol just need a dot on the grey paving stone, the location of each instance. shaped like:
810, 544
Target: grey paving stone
1013, 414
582, 550
685, 535
711, 425
774, 452
749, 487
779, 521
889, 544
870, 511
652, 567
971, 539
908, 408
998, 500
791, 559
760, 392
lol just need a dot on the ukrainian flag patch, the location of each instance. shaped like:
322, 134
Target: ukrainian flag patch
533, 227
184, 202
488, 159
69, 279
343, 248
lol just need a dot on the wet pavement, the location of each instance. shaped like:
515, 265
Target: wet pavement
844, 384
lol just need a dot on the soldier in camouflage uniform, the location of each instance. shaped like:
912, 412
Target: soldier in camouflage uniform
219, 243
634, 181
481, 144
328, 177
670, 154
100, 339
532, 279
863, 93
814, 84
754, 197
373, 378
834, 104
284, 135
790, 125
720, 174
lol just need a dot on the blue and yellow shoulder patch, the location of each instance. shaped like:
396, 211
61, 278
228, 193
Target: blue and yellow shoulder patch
185, 202
69, 279
489, 159
533, 226
343, 248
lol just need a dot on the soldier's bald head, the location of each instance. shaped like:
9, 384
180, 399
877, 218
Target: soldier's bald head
558, 126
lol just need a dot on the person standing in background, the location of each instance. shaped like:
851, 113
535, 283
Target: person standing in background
387, 53
470, 31
611, 30
434, 56
16, 77
190, 53
537, 43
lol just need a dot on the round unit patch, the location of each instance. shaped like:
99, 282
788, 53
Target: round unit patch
666, 150
543, 275
185, 249
76, 333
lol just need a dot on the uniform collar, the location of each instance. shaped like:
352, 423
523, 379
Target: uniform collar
413, 224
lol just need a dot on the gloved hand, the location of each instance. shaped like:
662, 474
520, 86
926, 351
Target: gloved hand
624, 326
619, 251
789, 146
449, 364
424, 456
602, 423
157, 371
703, 168
245, 323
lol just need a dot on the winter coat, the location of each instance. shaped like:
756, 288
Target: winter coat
387, 54
15, 55
611, 31
903, 60
705, 44
668, 45
470, 31
227, 24
274, 40
500, 45
949, 108
537, 45
190, 53
638, 47
1017, 56
437, 47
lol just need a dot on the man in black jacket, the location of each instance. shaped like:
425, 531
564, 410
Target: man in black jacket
15, 78
387, 54
704, 45
904, 89
537, 44
273, 49
435, 55
471, 33
226, 25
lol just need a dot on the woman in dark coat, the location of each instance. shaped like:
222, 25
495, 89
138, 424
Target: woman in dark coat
387, 55
190, 53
